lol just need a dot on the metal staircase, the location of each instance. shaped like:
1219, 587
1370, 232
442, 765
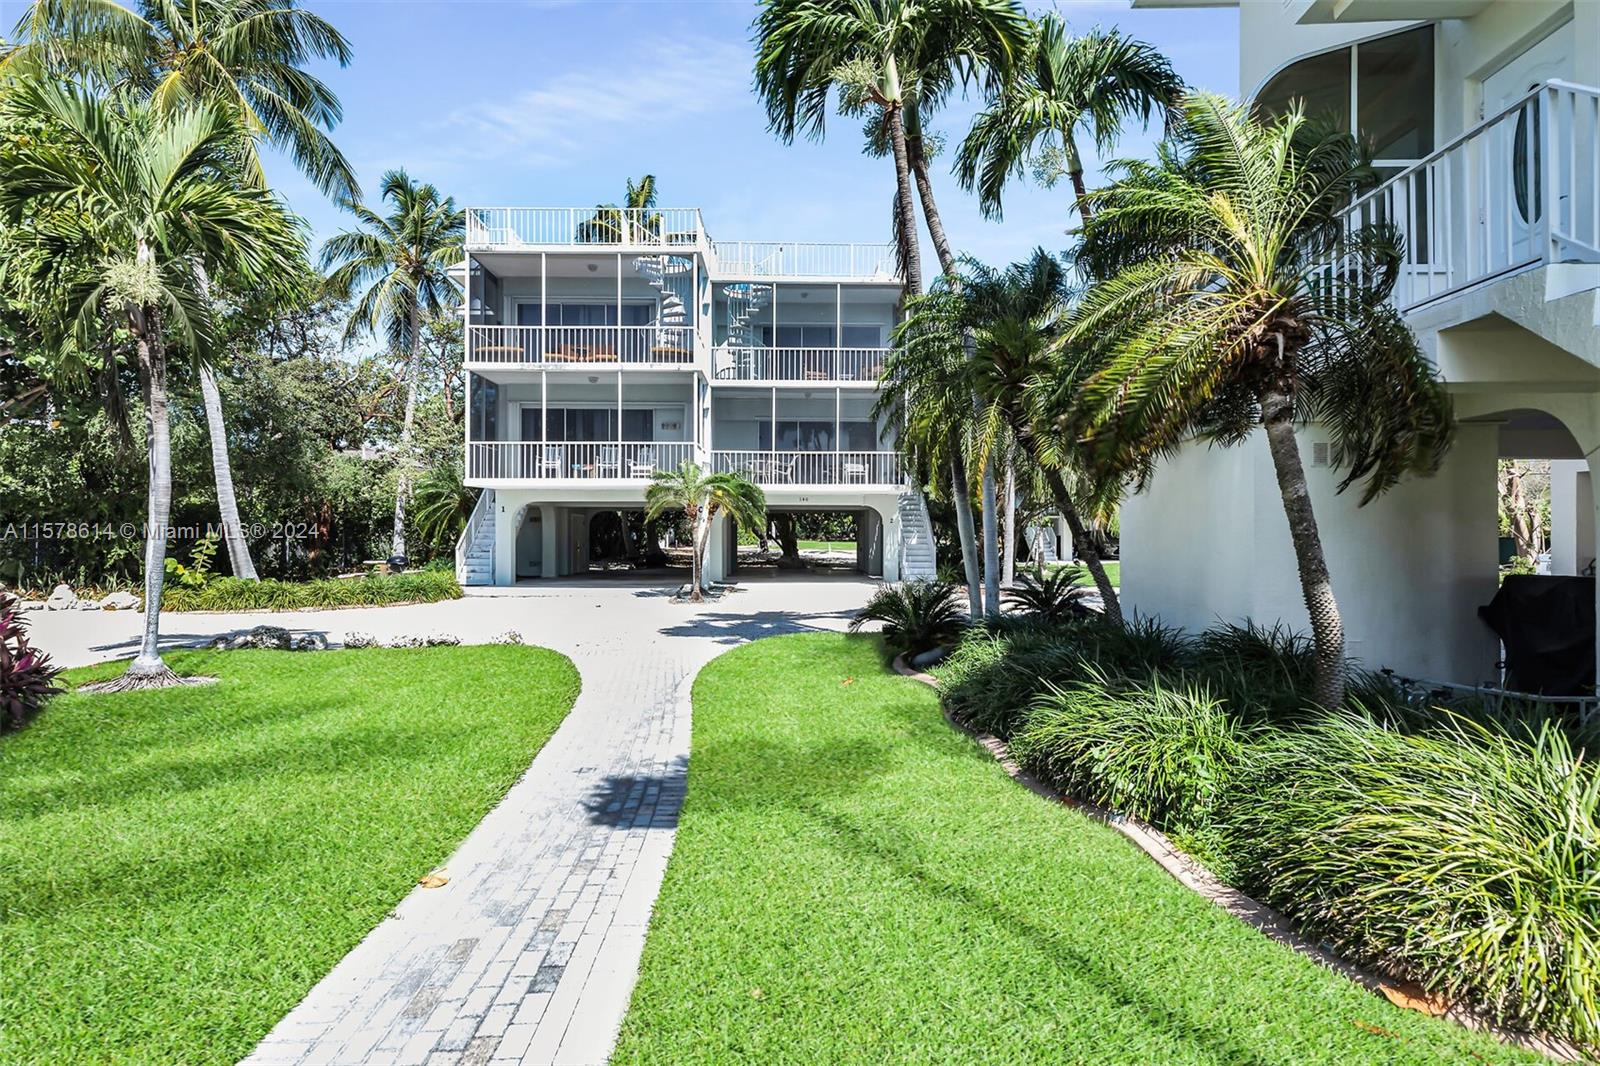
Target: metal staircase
670, 276
917, 558
745, 299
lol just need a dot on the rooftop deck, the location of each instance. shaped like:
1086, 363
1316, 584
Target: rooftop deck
534, 229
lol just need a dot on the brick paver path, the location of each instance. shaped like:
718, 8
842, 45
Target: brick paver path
530, 952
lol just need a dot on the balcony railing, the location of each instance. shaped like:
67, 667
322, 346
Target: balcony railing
506, 228
798, 364
599, 461
800, 259
1518, 190
811, 468
510, 346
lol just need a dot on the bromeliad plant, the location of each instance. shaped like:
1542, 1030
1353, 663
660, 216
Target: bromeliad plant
1231, 297
27, 679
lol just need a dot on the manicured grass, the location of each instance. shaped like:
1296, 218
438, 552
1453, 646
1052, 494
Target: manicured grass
856, 882
828, 545
181, 866
1113, 572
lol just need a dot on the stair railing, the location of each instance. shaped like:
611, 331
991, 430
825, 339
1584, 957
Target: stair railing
482, 511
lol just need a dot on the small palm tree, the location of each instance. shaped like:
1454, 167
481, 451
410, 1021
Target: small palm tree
635, 222
1231, 297
1065, 87
1052, 596
398, 269
916, 615
701, 497
144, 201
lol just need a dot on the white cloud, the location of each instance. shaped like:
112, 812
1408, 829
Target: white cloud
617, 88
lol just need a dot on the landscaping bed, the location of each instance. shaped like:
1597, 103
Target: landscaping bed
372, 590
856, 882
183, 864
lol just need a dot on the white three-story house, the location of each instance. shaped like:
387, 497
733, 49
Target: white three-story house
603, 345
1484, 117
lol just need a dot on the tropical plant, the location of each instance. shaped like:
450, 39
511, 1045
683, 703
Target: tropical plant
1064, 87
1232, 297
138, 200
702, 497
635, 222
249, 58
372, 590
27, 679
398, 268
444, 503
1006, 324
916, 615
1052, 597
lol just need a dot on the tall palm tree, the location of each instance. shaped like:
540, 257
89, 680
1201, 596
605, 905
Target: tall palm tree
143, 200
398, 270
701, 497
1232, 298
635, 219
1014, 319
249, 57
1064, 88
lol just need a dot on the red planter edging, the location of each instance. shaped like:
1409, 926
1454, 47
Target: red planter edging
1194, 876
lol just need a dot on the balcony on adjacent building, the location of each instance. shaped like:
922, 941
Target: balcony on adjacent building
785, 469
1519, 190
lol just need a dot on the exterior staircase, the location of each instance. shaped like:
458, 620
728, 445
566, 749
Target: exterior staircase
475, 546
668, 274
916, 538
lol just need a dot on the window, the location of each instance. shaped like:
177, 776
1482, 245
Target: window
799, 336
566, 313
862, 336
639, 425
1321, 84
588, 424
858, 437
485, 408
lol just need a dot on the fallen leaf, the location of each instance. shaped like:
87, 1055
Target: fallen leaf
1376, 1030
849, 681
1414, 997
436, 879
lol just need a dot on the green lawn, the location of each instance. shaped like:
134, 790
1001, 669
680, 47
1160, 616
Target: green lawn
1113, 571
856, 882
828, 545
181, 866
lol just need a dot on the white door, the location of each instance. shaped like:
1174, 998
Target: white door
1515, 191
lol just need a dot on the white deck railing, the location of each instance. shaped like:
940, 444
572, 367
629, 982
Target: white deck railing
803, 259
507, 228
1518, 190
811, 468
578, 345
482, 511
798, 364
587, 461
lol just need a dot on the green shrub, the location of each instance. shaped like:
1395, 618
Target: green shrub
1055, 597
232, 594
27, 679
1164, 754
916, 615
1462, 856
994, 675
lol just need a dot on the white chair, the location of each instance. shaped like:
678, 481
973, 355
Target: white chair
608, 464
550, 462
642, 464
853, 471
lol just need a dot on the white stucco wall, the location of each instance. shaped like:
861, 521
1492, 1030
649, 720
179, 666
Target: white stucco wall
1572, 544
1208, 542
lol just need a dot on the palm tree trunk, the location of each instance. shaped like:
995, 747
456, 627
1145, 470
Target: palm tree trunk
961, 497
916, 153
232, 530
909, 245
991, 543
1075, 175
1083, 547
1008, 543
1327, 628
403, 481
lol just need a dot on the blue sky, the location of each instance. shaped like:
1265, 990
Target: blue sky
556, 103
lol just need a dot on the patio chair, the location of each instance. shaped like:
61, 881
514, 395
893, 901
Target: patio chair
642, 464
550, 461
608, 464
853, 470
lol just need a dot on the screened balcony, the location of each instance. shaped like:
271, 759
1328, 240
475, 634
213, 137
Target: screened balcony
805, 438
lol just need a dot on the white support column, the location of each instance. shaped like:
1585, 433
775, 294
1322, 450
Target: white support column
619, 419
544, 313
544, 411
772, 437
838, 442
619, 310
838, 338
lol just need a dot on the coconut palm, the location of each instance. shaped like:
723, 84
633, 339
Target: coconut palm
397, 267
249, 57
1232, 298
701, 497
1013, 361
143, 200
634, 222
1065, 88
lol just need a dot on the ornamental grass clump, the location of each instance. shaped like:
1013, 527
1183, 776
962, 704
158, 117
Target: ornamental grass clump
27, 679
1166, 754
1462, 856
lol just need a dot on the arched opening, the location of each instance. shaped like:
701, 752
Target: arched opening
844, 542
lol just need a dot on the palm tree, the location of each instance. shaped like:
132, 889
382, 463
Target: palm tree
248, 56
1013, 318
1232, 298
143, 199
631, 223
1065, 87
701, 497
398, 269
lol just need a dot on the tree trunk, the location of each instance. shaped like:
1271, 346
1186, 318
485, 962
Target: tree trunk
1075, 175
403, 481
909, 245
1327, 628
917, 157
1008, 544
227, 505
966, 532
788, 541
1083, 546
991, 542
694, 556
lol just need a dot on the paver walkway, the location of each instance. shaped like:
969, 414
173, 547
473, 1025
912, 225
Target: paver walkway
529, 953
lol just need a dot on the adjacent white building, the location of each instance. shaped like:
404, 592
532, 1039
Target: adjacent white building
1486, 117
603, 345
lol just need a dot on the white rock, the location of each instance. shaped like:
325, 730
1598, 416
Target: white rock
61, 599
120, 601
